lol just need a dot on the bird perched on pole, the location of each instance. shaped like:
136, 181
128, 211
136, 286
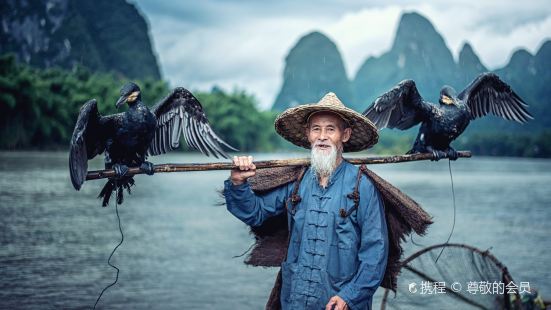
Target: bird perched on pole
127, 138
403, 107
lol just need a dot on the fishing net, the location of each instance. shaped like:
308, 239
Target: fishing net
463, 277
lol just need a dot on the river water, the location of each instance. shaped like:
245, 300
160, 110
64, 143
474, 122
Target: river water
179, 244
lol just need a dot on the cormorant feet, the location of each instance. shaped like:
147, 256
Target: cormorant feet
452, 154
437, 155
120, 170
148, 168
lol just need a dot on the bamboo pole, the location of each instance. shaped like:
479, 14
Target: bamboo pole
101, 174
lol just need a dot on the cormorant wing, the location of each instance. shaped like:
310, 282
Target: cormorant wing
87, 141
401, 107
180, 112
489, 94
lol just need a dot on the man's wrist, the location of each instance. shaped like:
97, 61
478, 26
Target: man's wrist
345, 298
237, 182
231, 184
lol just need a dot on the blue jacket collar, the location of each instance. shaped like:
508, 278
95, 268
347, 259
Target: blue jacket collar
336, 173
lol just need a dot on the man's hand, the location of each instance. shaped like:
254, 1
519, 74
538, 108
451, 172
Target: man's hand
336, 303
246, 169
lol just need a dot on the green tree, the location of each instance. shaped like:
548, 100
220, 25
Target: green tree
236, 117
39, 107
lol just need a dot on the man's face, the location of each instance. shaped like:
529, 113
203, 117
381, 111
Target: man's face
326, 134
327, 130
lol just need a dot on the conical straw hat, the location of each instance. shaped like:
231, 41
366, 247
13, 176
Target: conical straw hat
292, 123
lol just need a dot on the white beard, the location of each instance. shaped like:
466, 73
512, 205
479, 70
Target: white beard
323, 162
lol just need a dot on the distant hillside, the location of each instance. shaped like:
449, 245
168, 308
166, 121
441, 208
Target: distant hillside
469, 66
313, 68
530, 77
419, 52
103, 35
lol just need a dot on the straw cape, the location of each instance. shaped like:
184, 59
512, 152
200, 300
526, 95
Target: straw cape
291, 124
403, 216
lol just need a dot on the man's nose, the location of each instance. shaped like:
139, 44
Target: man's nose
323, 135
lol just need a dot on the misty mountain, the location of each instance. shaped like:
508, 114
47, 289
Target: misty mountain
420, 53
103, 35
469, 65
313, 67
530, 77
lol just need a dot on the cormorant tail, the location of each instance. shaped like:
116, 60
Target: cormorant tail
106, 192
120, 197
115, 185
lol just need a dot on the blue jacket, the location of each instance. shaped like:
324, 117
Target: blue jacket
328, 255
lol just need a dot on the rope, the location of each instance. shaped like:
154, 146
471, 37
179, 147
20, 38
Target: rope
246, 251
414, 242
453, 197
113, 252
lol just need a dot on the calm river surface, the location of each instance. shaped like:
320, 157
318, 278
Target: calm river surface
178, 247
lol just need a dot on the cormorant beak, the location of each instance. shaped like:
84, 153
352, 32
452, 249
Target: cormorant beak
447, 100
130, 98
121, 101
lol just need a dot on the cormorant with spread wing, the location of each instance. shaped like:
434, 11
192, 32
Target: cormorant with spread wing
402, 107
127, 138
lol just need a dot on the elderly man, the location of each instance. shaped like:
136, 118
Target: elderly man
338, 246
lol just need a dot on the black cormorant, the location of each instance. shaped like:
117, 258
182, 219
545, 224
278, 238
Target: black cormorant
402, 107
128, 138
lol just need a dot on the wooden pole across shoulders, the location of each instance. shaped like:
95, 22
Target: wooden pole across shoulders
101, 174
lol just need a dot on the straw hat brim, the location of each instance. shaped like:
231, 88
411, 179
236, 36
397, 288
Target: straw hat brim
291, 125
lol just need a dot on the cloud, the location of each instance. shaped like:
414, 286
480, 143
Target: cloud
248, 56
493, 30
368, 32
528, 36
236, 44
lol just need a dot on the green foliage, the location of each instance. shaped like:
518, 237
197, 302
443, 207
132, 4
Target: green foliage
393, 142
39, 107
480, 144
236, 118
508, 144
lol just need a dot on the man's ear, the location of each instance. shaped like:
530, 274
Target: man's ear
307, 133
346, 135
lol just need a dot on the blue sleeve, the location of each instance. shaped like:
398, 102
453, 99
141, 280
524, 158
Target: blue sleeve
373, 252
253, 209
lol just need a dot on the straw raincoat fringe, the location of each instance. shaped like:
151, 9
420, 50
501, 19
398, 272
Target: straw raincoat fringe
403, 216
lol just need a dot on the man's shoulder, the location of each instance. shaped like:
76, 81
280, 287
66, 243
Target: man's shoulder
350, 167
365, 182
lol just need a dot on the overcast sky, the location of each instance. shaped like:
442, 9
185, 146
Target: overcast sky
243, 44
